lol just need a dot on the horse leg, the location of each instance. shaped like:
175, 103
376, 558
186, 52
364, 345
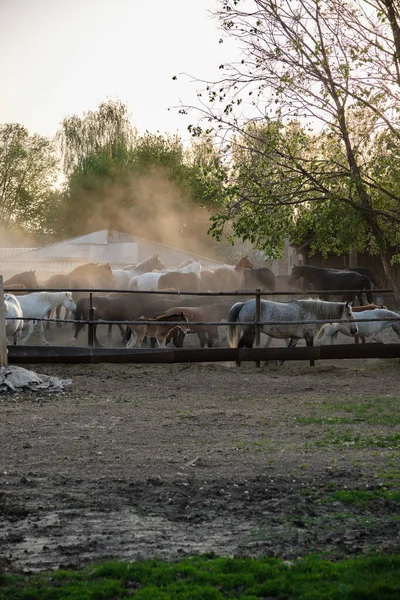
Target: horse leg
202, 337
41, 331
48, 316
310, 344
292, 344
96, 341
31, 328
58, 311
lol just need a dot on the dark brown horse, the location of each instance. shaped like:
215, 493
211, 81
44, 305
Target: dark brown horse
118, 307
262, 278
100, 274
183, 282
331, 279
224, 279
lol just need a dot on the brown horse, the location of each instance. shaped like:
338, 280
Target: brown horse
211, 312
17, 289
224, 279
100, 274
27, 278
183, 282
155, 329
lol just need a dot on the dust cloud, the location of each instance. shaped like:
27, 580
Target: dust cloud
152, 207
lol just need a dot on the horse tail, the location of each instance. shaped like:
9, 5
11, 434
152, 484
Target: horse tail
233, 330
368, 287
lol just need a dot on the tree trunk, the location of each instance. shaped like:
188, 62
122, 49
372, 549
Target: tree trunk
391, 275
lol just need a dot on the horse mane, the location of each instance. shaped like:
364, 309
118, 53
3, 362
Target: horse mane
322, 309
49, 296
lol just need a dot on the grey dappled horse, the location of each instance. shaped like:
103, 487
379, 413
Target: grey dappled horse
291, 314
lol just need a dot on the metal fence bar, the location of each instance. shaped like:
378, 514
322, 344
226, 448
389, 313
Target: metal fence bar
3, 336
249, 293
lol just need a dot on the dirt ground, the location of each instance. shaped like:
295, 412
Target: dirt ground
141, 461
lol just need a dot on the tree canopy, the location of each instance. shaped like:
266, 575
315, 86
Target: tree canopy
310, 119
28, 172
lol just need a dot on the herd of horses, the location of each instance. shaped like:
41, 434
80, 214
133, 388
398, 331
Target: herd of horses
151, 314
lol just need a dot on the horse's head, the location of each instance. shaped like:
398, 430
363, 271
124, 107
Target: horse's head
156, 263
245, 263
68, 302
347, 314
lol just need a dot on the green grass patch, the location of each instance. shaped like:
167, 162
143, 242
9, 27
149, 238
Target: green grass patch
380, 410
363, 497
210, 578
350, 439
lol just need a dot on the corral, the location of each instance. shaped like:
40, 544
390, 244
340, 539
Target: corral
144, 460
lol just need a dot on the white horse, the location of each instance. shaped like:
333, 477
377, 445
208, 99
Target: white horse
122, 278
37, 305
14, 316
367, 330
149, 281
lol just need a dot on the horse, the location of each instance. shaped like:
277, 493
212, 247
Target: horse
365, 271
206, 333
150, 281
331, 279
27, 278
262, 278
225, 279
294, 312
119, 307
155, 329
14, 316
367, 330
59, 282
122, 278
100, 274
37, 305
183, 282
18, 289
146, 266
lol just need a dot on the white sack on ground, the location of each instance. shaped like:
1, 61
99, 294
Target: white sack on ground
17, 378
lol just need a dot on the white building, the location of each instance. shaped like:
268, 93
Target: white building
108, 246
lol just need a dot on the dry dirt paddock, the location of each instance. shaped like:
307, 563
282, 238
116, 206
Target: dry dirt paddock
142, 461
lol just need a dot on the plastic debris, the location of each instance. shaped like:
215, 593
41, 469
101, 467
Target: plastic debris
13, 379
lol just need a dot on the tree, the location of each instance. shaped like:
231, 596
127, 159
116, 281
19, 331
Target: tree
107, 127
335, 67
28, 171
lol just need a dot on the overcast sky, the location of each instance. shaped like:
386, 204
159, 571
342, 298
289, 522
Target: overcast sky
60, 57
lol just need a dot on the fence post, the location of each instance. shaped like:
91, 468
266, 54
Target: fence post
258, 318
91, 319
3, 337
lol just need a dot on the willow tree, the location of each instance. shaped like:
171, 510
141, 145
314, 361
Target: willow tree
333, 66
107, 128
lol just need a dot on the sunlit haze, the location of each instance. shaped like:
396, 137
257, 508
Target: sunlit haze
61, 57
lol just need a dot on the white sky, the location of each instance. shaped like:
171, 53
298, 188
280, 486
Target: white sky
60, 57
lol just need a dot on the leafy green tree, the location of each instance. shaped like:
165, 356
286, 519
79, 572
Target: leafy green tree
332, 65
28, 172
